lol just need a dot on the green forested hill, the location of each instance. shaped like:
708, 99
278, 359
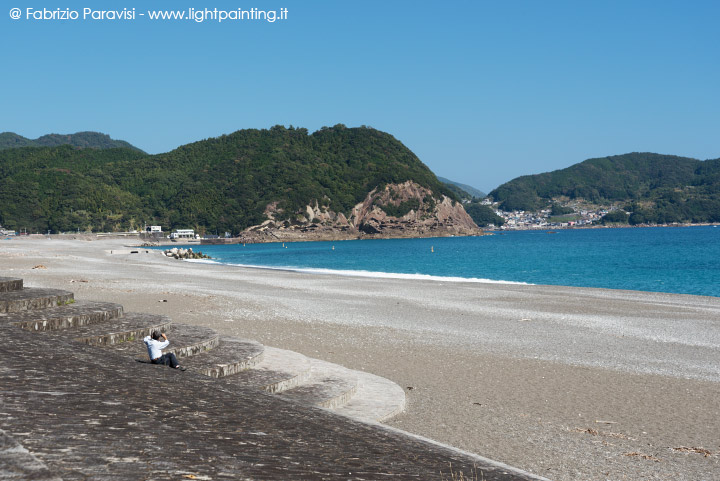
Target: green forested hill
656, 188
221, 184
95, 140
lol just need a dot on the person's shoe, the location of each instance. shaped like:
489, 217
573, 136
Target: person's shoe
182, 368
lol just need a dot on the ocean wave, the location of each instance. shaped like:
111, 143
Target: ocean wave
369, 274
203, 261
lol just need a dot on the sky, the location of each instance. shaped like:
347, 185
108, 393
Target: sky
481, 91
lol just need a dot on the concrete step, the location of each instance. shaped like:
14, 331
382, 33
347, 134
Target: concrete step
329, 386
185, 340
33, 298
8, 284
92, 418
230, 357
376, 400
80, 313
279, 370
132, 327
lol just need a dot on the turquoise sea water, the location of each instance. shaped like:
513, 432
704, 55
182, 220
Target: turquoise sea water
684, 260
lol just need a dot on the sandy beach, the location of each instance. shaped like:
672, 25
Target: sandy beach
568, 383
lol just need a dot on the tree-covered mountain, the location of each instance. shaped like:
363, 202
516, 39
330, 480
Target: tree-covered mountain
94, 140
463, 190
483, 215
219, 184
656, 188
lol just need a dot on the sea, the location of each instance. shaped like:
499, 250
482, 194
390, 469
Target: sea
682, 260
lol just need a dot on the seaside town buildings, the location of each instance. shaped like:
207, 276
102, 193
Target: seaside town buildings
519, 219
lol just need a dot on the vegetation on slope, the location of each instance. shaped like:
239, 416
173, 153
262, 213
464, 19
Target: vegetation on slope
483, 215
654, 188
95, 140
220, 184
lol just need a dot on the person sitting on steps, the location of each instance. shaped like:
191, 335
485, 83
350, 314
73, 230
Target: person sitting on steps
155, 347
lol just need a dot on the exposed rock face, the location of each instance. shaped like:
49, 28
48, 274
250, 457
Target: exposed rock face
397, 210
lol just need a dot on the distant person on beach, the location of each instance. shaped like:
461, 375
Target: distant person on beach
155, 347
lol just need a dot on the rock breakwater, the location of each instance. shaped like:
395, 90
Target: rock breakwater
180, 253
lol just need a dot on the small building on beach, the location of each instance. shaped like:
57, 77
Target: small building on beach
183, 234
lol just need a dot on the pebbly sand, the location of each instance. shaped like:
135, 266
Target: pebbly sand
568, 383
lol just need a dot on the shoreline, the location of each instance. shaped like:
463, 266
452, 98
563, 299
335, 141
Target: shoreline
361, 273
544, 378
89, 236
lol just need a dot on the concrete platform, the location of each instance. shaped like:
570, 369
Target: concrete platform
71, 409
230, 357
185, 340
79, 313
131, 328
304, 380
33, 298
75, 418
279, 371
17, 463
10, 284
376, 399
328, 386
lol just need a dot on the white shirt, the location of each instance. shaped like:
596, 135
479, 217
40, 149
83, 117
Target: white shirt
155, 347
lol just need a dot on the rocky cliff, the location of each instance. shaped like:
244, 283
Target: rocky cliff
396, 210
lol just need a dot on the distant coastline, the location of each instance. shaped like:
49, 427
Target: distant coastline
609, 226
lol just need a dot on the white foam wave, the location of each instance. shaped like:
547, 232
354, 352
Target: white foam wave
203, 261
372, 274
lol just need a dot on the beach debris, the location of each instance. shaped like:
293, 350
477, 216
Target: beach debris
78, 280
525, 319
649, 457
162, 300
595, 432
185, 254
410, 388
706, 453
597, 421
477, 404
39, 266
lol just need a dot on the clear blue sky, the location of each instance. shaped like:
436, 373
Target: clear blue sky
481, 91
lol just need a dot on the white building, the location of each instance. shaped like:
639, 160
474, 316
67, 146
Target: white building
183, 234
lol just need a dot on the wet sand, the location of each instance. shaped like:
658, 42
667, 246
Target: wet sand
568, 383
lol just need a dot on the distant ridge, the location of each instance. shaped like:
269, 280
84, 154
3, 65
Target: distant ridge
337, 182
478, 194
651, 188
93, 140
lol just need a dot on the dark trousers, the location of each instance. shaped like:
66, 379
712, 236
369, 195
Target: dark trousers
167, 360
